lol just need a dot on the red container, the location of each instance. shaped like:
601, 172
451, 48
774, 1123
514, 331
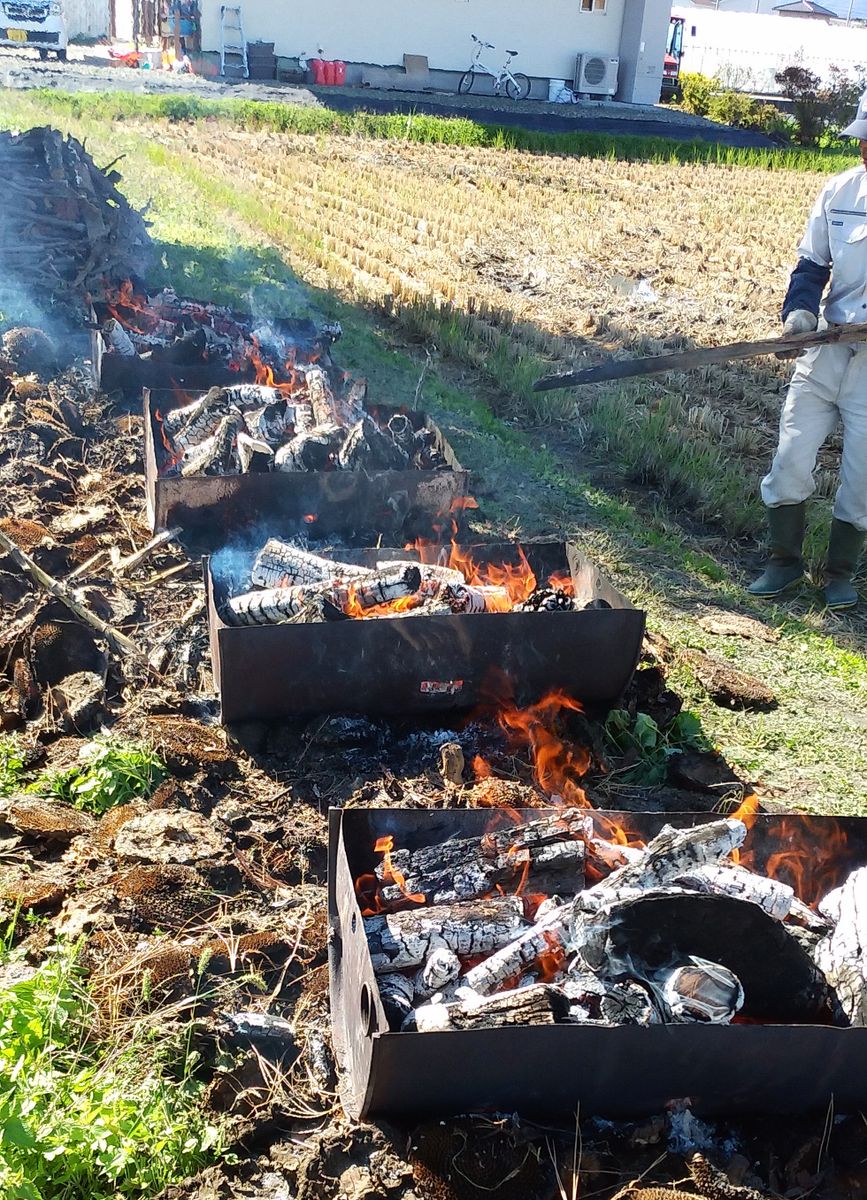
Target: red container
317, 66
329, 73
339, 73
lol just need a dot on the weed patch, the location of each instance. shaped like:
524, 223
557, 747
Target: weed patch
109, 773
85, 1121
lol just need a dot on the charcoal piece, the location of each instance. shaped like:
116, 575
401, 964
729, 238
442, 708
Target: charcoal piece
547, 599
427, 455
781, 983
441, 968
396, 992
402, 433
476, 598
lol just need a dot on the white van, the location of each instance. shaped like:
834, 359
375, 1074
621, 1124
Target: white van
38, 24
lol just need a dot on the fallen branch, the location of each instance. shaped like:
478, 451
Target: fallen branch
118, 641
134, 560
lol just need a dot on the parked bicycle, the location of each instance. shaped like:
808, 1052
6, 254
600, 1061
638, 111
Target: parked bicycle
517, 86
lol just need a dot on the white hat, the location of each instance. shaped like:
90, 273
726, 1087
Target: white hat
858, 128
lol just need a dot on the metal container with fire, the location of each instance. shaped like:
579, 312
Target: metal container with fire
212, 508
788, 1049
432, 661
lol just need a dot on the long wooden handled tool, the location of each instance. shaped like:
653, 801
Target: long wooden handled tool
625, 368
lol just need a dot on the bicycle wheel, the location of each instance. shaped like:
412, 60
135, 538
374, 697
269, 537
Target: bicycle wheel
518, 87
466, 83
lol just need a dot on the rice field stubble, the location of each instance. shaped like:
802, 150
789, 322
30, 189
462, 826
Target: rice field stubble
496, 265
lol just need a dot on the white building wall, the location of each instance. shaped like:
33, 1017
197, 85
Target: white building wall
548, 35
87, 18
746, 50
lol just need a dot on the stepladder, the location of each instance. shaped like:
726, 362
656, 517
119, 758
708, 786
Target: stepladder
233, 43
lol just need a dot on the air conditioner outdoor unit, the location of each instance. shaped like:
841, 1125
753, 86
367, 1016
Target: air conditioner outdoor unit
596, 74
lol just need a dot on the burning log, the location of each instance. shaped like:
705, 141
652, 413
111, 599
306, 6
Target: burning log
568, 927
774, 897
329, 409
181, 418
384, 587
284, 563
271, 423
322, 600
543, 854
368, 447
406, 939
842, 956
215, 456
275, 606
245, 396
537, 1005
118, 339
254, 454
311, 451
441, 968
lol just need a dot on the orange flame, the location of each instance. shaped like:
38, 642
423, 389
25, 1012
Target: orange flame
481, 768
354, 608
174, 456
558, 766
384, 846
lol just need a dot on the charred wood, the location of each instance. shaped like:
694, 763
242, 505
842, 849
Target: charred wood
406, 939
311, 451
216, 456
367, 447
254, 454
842, 956
537, 1005
467, 868
284, 563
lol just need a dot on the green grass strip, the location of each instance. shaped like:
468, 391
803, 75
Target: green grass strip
421, 127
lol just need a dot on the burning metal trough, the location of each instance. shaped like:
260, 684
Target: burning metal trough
547, 960
346, 482
166, 341
411, 633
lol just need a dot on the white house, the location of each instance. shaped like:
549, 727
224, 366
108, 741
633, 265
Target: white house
746, 49
548, 35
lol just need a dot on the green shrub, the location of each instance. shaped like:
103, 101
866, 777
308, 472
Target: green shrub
12, 764
83, 1120
109, 773
645, 748
698, 91
733, 108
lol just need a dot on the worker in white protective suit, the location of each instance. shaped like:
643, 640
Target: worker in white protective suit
829, 385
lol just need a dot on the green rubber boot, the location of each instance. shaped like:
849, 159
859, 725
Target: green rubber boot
785, 566
844, 550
